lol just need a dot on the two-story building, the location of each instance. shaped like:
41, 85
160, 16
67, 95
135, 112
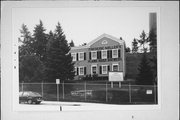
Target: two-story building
105, 53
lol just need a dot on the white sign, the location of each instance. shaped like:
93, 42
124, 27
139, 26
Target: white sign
116, 76
57, 81
148, 92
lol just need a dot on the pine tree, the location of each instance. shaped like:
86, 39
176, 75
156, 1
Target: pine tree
153, 50
153, 41
59, 61
134, 46
40, 41
25, 41
30, 67
143, 41
71, 43
145, 76
128, 49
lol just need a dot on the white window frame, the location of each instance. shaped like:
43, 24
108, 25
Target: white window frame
114, 56
92, 69
106, 72
79, 58
114, 65
80, 70
104, 57
92, 57
74, 56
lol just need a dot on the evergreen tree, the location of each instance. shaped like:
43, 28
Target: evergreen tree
30, 67
153, 50
128, 49
143, 41
145, 76
134, 46
25, 41
71, 43
40, 41
153, 41
59, 63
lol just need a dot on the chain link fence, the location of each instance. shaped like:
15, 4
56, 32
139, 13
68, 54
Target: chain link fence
105, 92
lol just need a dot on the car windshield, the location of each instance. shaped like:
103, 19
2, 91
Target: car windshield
34, 94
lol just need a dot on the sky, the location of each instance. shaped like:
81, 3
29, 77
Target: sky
85, 24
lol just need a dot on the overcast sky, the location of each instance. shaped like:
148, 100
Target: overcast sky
86, 23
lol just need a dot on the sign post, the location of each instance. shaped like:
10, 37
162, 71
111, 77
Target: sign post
57, 82
116, 77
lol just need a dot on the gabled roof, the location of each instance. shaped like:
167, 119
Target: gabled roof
102, 36
98, 38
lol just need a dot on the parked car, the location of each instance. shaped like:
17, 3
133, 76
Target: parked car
30, 97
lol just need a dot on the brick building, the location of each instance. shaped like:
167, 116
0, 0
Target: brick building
105, 53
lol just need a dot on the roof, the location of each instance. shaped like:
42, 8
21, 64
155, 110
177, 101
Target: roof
98, 38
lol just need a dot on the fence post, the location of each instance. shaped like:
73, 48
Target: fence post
155, 93
57, 92
22, 86
85, 90
106, 93
130, 93
63, 89
42, 91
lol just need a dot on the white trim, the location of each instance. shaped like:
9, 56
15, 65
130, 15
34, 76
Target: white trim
92, 69
113, 56
79, 70
93, 58
114, 65
107, 36
79, 56
102, 54
75, 56
106, 69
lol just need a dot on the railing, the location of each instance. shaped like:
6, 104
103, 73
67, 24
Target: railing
104, 92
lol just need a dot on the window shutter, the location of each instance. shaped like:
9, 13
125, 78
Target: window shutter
110, 53
77, 56
84, 70
89, 55
77, 71
119, 53
84, 56
100, 55
97, 54
108, 67
100, 69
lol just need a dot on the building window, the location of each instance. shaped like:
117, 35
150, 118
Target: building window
93, 55
81, 56
81, 70
94, 69
104, 42
73, 56
115, 53
104, 54
115, 67
104, 69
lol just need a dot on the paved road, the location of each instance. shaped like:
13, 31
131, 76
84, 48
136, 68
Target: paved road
64, 106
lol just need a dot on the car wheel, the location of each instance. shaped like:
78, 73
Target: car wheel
29, 101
